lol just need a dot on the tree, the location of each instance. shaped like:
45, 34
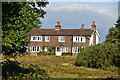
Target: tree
18, 19
114, 33
105, 54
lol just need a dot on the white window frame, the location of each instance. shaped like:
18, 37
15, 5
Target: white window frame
61, 38
79, 39
35, 48
75, 49
64, 49
47, 38
83, 39
38, 38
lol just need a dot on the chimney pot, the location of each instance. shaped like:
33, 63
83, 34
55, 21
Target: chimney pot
93, 25
57, 23
82, 26
57, 26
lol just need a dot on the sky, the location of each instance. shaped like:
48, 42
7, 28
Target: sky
72, 14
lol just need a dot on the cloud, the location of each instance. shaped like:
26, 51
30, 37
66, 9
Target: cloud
82, 7
83, 0
72, 15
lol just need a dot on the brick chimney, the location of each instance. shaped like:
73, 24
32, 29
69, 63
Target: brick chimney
57, 26
82, 26
93, 25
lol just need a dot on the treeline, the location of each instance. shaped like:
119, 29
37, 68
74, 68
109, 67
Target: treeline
105, 55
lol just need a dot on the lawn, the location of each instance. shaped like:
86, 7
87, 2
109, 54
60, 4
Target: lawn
63, 67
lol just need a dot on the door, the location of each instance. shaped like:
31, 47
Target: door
58, 51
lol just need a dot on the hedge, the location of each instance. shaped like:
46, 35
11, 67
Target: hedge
99, 56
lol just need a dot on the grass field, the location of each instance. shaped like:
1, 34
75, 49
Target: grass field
63, 67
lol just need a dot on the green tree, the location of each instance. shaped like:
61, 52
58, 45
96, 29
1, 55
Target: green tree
114, 38
18, 19
105, 54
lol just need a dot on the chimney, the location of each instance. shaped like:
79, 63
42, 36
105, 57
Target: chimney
57, 26
82, 26
93, 25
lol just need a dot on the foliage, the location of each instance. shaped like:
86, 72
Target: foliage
67, 53
114, 38
51, 50
99, 56
43, 53
102, 55
18, 19
63, 67
12, 69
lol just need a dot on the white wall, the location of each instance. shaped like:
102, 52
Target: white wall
91, 40
97, 39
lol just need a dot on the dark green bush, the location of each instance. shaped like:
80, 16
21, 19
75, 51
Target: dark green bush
67, 53
99, 56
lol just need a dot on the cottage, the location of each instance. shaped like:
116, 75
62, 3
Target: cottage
65, 40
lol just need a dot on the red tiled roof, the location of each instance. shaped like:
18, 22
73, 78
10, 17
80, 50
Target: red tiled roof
61, 32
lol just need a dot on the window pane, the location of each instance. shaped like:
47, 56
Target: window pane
81, 38
61, 38
33, 48
38, 38
37, 48
47, 38
34, 38
58, 49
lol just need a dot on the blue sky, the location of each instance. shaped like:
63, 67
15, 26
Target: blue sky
72, 14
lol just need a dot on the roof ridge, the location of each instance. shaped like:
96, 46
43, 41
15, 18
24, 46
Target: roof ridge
62, 29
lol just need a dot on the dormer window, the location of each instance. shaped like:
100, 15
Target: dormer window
36, 38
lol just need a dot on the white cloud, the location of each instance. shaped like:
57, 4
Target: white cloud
83, 0
79, 7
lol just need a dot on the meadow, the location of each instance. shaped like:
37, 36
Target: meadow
63, 67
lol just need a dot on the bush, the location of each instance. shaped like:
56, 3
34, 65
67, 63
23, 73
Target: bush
67, 53
50, 50
43, 53
99, 56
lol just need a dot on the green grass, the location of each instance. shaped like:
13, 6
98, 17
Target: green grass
63, 67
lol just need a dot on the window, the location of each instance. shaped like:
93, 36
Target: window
36, 38
61, 39
58, 49
35, 49
64, 49
82, 39
47, 38
78, 39
75, 49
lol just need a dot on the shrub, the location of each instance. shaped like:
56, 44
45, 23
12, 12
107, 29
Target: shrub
43, 53
99, 56
50, 50
67, 53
